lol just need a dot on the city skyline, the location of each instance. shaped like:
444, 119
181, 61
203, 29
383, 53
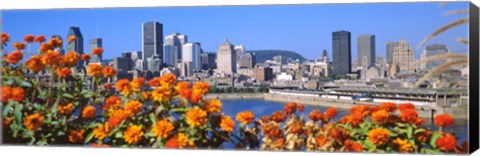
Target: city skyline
310, 47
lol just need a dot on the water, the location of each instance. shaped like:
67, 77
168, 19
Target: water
261, 107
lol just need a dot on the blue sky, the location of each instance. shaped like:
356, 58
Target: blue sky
306, 29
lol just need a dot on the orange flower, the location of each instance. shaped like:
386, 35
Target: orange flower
265, 119
245, 117
404, 106
315, 115
5, 37
70, 59
19, 45
227, 124
109, 71
55, 42
272, 131
378, 136
402, 145
355, 119
290, 108
179, 141
212, 106
33, 122
339, 134
419, 121
89, 112
168, 80
39, 39
361, 109
65, 109
138, 83
123, 86
133, 134
279, 116
321, 140
132, 108
380, 116
85, 57
162, 129
296, 128
51, 58
196, 97
45, 47
182, 86
28, 38
15, 56
35, 64
102, 131
71, 39
107, 86
64, 72
116, 117
147, 95
18, 94
76, 136
196, 117
155, 82
112, 102
408, 115
185, 93
352, 146
162, 93
201, 87
443, 120
300, 107
7, 121
94, 70
329, 114
97, 51
388, 106
423, 136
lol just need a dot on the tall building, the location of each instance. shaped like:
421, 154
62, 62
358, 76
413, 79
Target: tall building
59, 49
136, 55
341, 53
403, 58
173, 43
186, 68
226, 58
431, 50
153, 63
76, 45
247, 60
279, 59
96, 43
191, 53
390, 49
208, 60
240, 49
121, 64
152, 40
366, 50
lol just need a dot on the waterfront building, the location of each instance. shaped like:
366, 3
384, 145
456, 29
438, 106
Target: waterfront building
263, 74
191, 53
153, 63
152, 40
96, 43
247, 60
60, 48
403, 58
366, 50
129, 60
76, 45
390, 49
170, 55
173, 48
341, 53
208, 61
432, 50
121, 64
226, 58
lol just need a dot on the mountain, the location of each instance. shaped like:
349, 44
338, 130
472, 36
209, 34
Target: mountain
263, 55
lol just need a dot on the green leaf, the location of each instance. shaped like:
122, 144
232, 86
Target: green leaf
26, 84
430, 151
67, 95
393, 134
178, 110
419, 131
409, 132
150, 134
434, 138
18, 112
7, 109
89, 137
8, 83
61, 133
152, 118
119, 135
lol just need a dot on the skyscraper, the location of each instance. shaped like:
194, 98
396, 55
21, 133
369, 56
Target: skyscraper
390, 48
247, 60
341, 52
403, 58
431, 50
226, 58
173, 48
96, 43
191, 53
366, 51
59, 49
76, 45
152, 40
208, 60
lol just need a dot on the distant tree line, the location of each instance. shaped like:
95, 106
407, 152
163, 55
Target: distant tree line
262, 89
